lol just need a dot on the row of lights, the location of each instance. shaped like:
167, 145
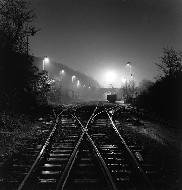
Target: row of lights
46, 61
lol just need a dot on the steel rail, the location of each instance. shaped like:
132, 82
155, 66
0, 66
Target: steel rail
139, 168
34, 165
111, 182
90, 119
27, 177
74, 154
99, 114
113, 186
66, 172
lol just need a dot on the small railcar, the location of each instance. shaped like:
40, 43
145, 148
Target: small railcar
111, 98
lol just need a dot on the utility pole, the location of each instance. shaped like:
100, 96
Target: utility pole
27, 44
29, 32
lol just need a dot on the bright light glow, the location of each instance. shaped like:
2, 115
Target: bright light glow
62, 71
78, 83
73, 78
45, 61
110, 76
128, 64
123, 80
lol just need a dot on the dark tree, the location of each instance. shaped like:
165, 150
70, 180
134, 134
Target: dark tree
144, 85
170, 63
164, 97
21, 85
16, 17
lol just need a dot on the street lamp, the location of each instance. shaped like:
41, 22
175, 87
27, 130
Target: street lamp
45, 61
78, 83
128, 64
62, 72
73, 78
123, 80
130, 69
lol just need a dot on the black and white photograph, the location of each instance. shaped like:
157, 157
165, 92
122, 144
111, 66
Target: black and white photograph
90, 94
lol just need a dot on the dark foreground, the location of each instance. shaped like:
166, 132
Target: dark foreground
94, 146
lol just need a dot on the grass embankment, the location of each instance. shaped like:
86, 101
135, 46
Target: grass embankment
15, 129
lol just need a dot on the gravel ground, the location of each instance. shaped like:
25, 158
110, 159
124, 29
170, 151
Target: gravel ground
159, 133
11, 142
15, 131
164, 146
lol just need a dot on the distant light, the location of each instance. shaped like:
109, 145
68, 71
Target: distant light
78, 83
45, 61
123, 80
73, 78
110, 76
128, 64
62, 71
89, 87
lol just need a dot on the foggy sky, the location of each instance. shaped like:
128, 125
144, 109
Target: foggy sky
93, 36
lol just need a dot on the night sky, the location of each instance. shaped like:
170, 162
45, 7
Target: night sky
94, 36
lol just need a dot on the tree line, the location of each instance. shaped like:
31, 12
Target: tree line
23, 88
164, 96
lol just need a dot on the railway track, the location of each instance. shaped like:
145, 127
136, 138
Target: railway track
85, 150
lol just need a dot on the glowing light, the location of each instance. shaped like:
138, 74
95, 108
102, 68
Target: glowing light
110, 76
45, 61
123, 80
128, 64
73, 78
78, 83
62, 71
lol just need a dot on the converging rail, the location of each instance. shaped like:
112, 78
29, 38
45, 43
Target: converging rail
85, 150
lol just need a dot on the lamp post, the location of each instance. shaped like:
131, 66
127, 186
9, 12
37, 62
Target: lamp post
45, 61
73, 78
62, 71
130, 70
29, 32
78, 86
129, 66
78, 83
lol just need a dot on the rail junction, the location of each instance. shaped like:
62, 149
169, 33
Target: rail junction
84, 149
